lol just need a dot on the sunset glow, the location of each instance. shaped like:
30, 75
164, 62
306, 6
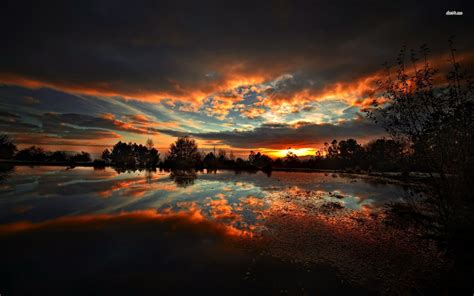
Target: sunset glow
298, 151
236, 148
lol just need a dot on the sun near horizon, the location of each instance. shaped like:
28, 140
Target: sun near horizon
296, 151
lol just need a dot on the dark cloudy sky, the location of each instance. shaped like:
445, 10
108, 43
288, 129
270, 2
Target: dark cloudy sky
81, 75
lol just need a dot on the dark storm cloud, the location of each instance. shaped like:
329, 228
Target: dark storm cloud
72, 126
47, 131
51, 122
169, 47
15, 126
281, 135
38, 101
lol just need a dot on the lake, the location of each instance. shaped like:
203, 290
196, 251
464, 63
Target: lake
85, 231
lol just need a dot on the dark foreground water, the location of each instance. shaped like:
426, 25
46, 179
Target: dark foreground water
93, 232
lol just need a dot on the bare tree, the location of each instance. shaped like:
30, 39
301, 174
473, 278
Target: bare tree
437, 121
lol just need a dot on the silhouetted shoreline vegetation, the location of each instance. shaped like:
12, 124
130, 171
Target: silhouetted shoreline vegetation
437, 123
382, 155
37, 155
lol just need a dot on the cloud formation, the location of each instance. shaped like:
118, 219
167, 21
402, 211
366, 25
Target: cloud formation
189, 51
224, 72
283, 135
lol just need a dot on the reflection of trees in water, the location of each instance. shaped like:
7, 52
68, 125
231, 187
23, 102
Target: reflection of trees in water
122, 170
149, 172
211, 171
5, 171
149, 175
183, 178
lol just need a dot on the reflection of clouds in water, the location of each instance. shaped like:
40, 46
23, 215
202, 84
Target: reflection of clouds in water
296, 215
222, 195
136, 188
191, 218
219, 208
241, 213
243, 185
357, 243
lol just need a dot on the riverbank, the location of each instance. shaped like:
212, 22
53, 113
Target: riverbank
411, 177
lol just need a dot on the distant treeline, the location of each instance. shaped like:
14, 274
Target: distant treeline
381, 155
131, 155
9, 151
378, 155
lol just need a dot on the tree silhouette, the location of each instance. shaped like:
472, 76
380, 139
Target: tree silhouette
183, 153
291, 160
350, 151
332, 150
132, 154
32, 153
259, 160
153, 157
385, 154
106, 155
7, 148
81, 157
122, 154
58, 156
222, 156
210, 160
437, 121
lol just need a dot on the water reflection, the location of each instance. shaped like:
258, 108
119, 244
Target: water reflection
183, 178
5, 171
305, 217
51, 192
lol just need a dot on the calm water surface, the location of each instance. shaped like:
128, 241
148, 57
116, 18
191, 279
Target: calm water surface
45, 193
86, 231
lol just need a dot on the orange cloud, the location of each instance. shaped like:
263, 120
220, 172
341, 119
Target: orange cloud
136, 187
220, 208
252, 112
141, 118
190, 95
359, 92
221, 105
108, 116
231, 75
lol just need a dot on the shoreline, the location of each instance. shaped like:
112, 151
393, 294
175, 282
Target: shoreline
412, 176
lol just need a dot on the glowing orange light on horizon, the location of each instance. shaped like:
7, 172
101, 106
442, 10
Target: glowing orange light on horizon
297, 151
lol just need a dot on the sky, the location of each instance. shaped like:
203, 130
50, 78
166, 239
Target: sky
259, 75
